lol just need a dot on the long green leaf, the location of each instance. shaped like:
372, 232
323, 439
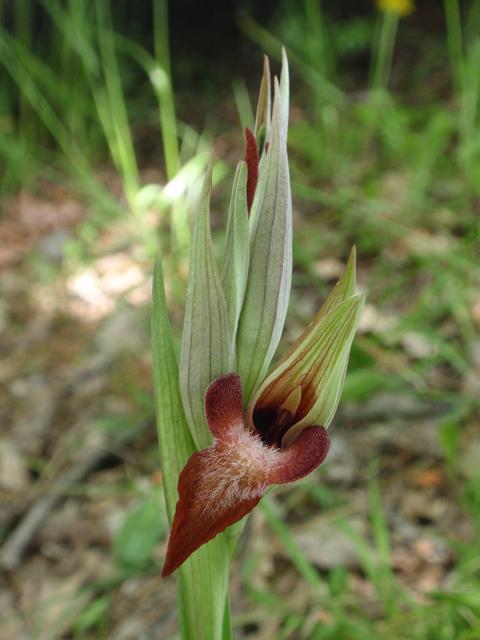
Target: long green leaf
168, 120
176, 443
203, 578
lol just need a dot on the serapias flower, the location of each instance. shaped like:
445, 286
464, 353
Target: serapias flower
250, 429
221, 484
280, 438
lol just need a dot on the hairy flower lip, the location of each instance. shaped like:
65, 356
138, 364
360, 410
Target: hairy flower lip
218, 486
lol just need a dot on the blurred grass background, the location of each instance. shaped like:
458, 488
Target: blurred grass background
108, 111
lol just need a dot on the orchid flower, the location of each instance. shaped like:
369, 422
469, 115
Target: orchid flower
221, 484
229, 427
281, 438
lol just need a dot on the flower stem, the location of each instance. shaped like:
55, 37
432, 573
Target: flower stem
383, 50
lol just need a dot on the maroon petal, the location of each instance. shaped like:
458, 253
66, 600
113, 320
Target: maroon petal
224, 404
220, 485
307, 452
210, 501
252, 160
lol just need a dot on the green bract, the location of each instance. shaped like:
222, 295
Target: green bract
262, 118
309, 378
235, 263
270, 269
207, 347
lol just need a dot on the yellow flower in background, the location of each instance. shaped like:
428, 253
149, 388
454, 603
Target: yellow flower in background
401, 7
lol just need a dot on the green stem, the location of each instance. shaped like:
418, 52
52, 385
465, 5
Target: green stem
112, 104
23, 33
315, 36
455, 42
227, 633
163, 84
383, 55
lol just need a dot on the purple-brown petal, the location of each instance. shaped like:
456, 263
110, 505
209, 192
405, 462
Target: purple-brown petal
224, 404
209, 502
220, 485
252, 160
301, 458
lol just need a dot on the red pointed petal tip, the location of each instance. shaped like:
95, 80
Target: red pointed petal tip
210, 501
217, 487
220, 485
252, 160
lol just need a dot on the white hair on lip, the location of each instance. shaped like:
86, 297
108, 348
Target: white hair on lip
239, 469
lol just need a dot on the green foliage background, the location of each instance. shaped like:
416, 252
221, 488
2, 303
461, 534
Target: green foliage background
384, 152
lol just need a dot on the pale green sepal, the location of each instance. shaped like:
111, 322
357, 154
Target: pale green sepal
285, 91
207, 350
262, 117
235, 265
325, 344
329, 345
203, 578
316, 361
334, 388
344, 288
270, 269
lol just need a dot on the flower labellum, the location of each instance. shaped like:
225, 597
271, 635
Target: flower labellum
221, 484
